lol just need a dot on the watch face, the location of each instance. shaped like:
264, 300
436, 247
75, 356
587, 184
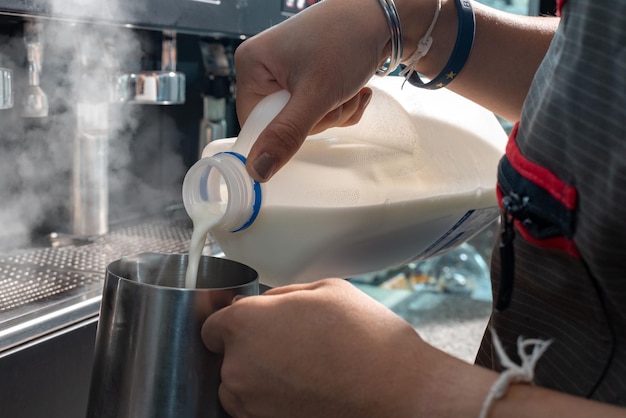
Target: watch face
294, 6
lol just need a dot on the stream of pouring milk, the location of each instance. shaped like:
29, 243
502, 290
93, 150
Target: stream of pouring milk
204, 217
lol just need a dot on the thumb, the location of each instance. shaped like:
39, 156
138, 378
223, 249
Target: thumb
284, 135
213, 333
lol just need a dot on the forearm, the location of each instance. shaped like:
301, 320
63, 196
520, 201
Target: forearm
459, 390
506, 53
524, 401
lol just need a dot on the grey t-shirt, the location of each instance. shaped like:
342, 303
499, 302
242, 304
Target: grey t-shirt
573, 124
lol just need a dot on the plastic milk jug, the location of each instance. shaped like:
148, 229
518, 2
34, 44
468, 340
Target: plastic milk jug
413, 179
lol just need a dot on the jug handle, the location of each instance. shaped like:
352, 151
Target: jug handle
262, 114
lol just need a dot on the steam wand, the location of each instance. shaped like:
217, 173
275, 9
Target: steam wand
35, 101
218, 89
90, 186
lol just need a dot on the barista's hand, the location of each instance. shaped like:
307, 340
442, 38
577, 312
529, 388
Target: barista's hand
327, 350
321, 350
323, 56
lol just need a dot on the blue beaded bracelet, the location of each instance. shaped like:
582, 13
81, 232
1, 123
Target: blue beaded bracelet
460, 53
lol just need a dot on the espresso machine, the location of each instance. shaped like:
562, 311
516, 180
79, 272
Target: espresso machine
103, 108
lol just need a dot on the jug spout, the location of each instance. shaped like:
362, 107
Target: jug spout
221, 184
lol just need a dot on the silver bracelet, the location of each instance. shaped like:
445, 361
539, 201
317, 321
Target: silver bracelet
393, 20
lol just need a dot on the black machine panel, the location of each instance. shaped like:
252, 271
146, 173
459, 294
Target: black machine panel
220, 17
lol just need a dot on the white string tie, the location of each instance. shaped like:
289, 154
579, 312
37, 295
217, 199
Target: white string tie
529, 351
423, 46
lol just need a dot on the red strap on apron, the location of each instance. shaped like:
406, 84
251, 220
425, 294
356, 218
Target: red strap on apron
565, 194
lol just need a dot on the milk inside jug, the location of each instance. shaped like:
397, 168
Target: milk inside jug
413, 179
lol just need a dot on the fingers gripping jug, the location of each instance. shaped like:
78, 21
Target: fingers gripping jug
413, 179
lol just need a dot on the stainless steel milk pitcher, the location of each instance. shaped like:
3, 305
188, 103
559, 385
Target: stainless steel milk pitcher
149, 357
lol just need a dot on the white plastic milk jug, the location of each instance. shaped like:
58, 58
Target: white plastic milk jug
413, 179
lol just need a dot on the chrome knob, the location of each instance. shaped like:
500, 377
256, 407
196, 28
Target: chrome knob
152, 87
163, 87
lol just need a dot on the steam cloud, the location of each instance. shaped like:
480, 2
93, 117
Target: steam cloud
36, 155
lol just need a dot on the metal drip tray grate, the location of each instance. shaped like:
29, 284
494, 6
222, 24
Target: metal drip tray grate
44, 289
22, 286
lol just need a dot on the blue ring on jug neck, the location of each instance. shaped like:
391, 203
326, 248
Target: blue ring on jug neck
256, 187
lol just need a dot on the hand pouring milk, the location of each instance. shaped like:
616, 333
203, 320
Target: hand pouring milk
413, 179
